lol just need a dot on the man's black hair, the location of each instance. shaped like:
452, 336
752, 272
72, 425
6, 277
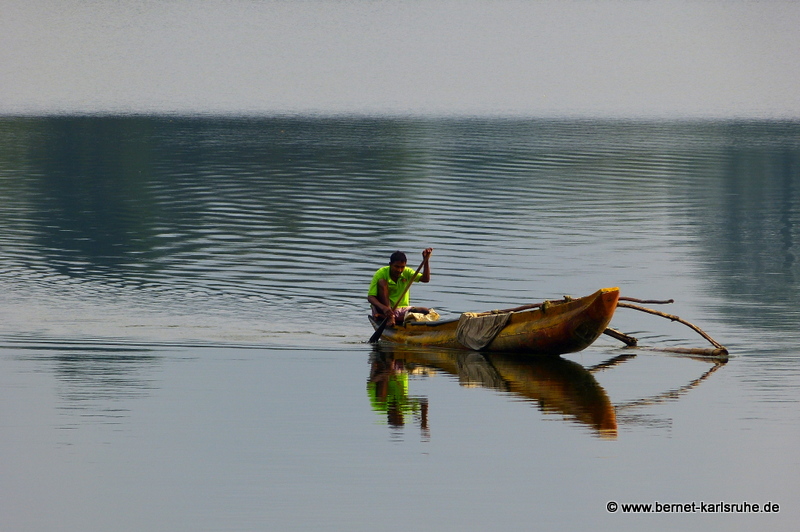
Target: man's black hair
398, 256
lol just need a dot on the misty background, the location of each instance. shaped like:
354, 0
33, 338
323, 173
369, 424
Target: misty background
547, 58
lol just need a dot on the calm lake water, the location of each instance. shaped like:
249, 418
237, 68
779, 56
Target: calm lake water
183, 324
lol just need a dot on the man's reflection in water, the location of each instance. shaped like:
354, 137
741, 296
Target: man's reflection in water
388, 392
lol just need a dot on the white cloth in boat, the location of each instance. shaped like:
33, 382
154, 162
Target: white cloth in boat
476, 331
432, 315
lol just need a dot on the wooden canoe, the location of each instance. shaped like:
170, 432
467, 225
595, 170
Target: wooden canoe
555, 328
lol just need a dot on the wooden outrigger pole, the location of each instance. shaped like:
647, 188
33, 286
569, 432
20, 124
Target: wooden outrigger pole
719, 350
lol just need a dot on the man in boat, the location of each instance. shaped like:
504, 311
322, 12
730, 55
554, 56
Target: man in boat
389, 283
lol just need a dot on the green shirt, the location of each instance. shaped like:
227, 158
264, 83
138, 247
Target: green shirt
395, 288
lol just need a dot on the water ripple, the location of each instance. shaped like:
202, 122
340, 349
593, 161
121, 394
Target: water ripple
220, 229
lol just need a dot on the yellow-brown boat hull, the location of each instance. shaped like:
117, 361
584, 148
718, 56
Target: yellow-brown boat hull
558, 327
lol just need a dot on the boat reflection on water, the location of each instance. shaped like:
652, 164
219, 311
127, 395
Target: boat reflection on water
556, 385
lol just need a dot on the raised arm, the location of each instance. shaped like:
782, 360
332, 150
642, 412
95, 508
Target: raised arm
426, 269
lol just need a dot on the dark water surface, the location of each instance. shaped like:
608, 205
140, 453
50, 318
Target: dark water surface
183, 323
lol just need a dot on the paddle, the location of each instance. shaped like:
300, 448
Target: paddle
379, 331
